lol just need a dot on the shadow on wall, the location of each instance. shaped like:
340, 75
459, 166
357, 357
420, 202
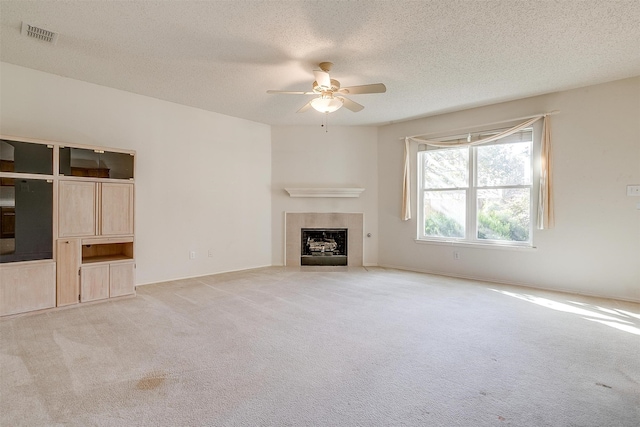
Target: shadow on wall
620, 319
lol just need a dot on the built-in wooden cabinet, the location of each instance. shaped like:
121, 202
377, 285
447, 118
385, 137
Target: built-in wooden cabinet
121, 279
100, 217
85, 203
77, 208
68, 267
116, 209
106, 280
94, 268
107, 249
94, 282
27, 286
110, 266
95, 209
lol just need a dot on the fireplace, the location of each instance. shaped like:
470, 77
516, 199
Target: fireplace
351, 223
323, 246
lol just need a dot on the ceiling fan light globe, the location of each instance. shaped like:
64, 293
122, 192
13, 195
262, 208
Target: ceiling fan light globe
326, 105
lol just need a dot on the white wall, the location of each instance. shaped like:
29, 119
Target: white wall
594, 248
209, 181
202, 179
307, 156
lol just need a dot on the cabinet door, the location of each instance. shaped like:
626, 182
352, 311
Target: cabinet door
116, 206
121, 279
67, 265
94, 282
27, 287
77, 208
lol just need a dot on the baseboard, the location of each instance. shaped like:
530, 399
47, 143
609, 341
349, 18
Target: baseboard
504, 282
433, 272
203, 275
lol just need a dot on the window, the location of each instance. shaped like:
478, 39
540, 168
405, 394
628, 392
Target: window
478, 194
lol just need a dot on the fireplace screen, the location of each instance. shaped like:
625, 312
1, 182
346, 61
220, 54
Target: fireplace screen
324, 246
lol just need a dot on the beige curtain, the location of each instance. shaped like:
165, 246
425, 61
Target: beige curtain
545, 194
500, 135
545, 198
406, 183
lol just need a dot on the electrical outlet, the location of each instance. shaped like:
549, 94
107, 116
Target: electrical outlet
633, 190
192, 255
210, 253
456, 255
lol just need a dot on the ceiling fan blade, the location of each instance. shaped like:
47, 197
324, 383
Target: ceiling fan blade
305, 107
289, 92
357, 90
350, 105
322, 78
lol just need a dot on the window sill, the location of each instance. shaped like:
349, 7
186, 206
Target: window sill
456, 243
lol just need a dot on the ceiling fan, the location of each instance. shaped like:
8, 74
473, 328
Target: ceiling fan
329, 93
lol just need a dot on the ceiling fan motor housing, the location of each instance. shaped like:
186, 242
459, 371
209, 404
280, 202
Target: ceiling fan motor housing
325, 66
335, 86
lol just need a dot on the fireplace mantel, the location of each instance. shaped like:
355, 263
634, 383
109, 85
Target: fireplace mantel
324, 192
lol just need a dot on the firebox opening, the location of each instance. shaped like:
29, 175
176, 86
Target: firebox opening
323, 246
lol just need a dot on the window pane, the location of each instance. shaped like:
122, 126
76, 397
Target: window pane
504, 164
444, 213
446, 168
503, 214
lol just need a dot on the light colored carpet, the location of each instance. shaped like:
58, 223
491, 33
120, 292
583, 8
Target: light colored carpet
318, 347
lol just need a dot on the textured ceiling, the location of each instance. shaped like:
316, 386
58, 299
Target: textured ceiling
433, 56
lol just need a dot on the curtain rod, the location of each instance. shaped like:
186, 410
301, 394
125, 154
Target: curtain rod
551, 113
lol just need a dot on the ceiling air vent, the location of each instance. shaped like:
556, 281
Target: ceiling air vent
39, 33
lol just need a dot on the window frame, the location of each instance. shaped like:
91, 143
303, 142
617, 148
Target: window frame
471, 193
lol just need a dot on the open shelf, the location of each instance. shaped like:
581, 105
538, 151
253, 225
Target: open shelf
106, 252
110, 259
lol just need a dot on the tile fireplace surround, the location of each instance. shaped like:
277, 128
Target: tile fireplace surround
353, 222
